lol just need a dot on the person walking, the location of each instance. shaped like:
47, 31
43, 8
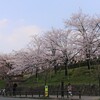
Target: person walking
69, 89
14, 88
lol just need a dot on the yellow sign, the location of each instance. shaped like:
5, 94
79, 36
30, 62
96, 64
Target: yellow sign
46, 91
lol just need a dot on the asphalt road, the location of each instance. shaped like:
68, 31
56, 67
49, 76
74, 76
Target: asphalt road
75, 97
7, 98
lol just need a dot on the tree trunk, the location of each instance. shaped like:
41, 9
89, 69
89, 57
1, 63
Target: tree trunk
62, 89
55, 69
36, 73
88, 63
55, 66
45, 77
66, 68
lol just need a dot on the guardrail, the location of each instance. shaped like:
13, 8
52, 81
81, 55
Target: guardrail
51, 94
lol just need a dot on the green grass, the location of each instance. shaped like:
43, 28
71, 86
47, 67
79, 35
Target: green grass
75, 76
2, 84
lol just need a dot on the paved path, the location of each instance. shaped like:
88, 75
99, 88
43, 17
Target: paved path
90, 98
84, 98
87, 97
8, 98
74, 97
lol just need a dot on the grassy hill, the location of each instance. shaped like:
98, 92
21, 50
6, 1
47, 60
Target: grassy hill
79, 75
2, 84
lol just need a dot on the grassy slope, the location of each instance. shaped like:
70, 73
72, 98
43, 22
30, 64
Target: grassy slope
2, 84
76, 76
79, 75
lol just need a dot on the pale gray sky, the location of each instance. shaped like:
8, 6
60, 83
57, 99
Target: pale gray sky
20, 19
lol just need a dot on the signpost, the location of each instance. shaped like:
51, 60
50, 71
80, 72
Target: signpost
46, 91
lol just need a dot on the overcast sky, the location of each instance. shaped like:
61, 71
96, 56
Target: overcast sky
20, 19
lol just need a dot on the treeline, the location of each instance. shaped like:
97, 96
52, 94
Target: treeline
78, 44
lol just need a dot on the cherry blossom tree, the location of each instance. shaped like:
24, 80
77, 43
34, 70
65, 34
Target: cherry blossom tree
5, 65
60, 47
79, 41
87, 34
